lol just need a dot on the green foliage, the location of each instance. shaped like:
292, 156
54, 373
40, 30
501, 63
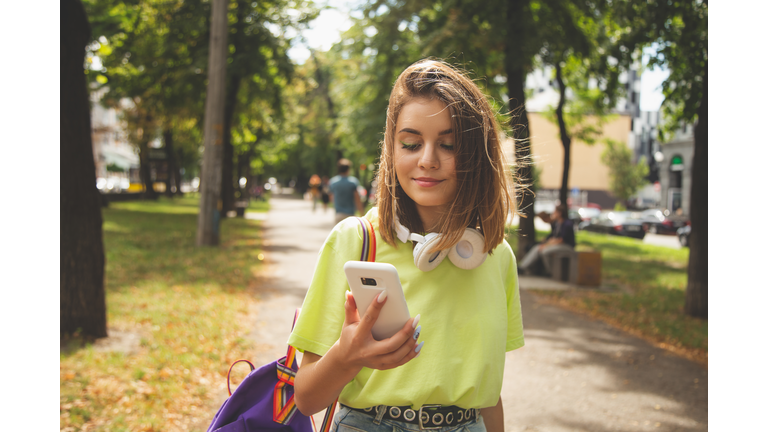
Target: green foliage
155, 54
678, 33
626, 178
113, 167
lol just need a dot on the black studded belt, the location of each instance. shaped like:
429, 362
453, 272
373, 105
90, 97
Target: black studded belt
427, 417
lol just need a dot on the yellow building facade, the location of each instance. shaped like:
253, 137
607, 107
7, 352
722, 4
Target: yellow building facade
587, 172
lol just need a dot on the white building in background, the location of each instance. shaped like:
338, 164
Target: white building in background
111, 148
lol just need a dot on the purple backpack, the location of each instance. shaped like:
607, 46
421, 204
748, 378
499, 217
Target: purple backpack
264, 400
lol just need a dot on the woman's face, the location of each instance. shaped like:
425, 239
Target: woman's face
425, 164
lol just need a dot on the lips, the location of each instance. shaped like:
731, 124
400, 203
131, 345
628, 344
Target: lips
427, 181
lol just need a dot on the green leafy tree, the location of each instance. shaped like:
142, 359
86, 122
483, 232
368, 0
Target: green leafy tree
625, 177
678, 32
153, 54
259, 68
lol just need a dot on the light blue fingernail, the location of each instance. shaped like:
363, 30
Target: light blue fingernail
418, 347
416, 333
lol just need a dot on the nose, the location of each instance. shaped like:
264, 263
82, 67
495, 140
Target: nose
429, 158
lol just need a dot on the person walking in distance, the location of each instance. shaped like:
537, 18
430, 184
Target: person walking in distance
343, 192
314, 189
324, 197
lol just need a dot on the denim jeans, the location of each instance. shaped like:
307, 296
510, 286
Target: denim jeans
347, 420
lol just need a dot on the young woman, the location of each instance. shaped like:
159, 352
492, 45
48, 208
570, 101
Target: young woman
441, 171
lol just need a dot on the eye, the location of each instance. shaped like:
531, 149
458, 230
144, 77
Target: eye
447, 146
409, 146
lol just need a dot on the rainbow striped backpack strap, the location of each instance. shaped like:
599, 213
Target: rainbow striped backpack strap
283, 404
368, 252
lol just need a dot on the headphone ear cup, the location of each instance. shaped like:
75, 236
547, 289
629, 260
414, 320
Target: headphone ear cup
424, 258
468, 252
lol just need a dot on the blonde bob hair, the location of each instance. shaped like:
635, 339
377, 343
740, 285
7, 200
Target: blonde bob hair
484, 195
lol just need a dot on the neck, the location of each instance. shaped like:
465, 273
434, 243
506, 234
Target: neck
430, 217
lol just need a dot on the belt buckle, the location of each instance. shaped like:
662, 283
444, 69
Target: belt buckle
421, 424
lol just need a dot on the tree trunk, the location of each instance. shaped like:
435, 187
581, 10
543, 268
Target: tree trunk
170, 159
82, 301
515, 64
230, 103
696, 294
177, 156
210, 200
145, 170
244, 171
564, 137
227, 178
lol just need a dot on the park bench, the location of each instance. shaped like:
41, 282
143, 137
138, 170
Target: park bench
582, 268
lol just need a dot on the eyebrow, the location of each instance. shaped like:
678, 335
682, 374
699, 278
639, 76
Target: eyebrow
415, 132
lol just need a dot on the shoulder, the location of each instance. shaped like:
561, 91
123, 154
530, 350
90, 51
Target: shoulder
504, 251
503, 258
351, 226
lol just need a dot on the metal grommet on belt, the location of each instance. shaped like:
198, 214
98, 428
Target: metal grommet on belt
409, 415
394, 412
437, 419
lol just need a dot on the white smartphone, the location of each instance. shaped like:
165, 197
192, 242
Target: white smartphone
367, 280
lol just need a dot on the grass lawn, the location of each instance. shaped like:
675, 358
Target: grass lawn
646, 296
188, 306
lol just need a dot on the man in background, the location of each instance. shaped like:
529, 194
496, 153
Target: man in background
343, 192
562, 238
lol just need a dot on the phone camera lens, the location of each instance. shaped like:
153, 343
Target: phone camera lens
368, 281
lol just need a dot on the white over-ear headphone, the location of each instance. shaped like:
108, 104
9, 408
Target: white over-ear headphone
466, 254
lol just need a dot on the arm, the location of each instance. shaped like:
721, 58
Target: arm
493, 417
320, 380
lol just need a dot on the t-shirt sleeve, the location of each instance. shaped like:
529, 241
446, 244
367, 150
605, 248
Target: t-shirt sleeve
515, 338
322, 313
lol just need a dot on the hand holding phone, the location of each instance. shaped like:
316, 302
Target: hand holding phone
367, 280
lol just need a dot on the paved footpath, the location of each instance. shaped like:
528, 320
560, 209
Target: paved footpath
573, 374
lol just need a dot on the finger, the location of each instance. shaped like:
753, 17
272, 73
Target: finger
404, 355
406, 336
373, 311
351, 314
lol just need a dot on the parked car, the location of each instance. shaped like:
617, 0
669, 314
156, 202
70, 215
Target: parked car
627, 224
583, 215
682, 234
656, 221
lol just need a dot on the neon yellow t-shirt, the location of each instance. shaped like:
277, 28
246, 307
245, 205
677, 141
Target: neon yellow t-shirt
469, 319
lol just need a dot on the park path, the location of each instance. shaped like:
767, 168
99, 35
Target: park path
573, 374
